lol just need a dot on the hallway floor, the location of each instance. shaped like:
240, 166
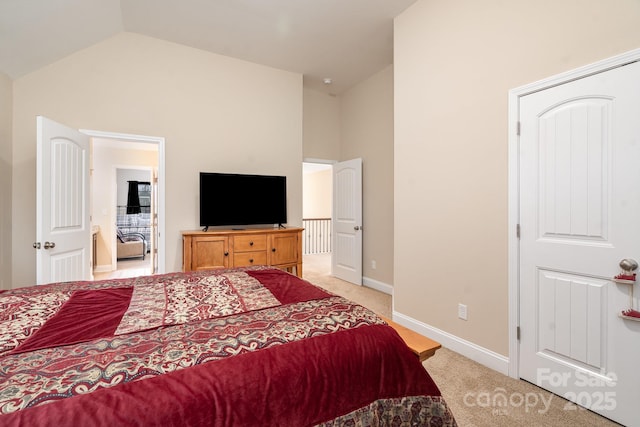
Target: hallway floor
127, 268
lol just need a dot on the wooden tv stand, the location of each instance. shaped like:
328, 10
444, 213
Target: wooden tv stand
281, 248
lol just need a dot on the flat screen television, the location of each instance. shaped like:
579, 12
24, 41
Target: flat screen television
240, 199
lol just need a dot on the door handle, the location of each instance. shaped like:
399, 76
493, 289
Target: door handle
627, 276
357, 227
628, 264
49, 245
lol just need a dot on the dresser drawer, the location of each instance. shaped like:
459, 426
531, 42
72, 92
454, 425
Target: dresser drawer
251, 242
244, 259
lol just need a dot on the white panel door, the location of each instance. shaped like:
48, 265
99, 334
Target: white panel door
63, 232
346, 259
580, 216
154, 221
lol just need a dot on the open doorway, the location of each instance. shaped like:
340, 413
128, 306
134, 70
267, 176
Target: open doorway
317, 200
135, 208
127, 242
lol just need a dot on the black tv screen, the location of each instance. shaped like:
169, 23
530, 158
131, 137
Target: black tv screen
238, 199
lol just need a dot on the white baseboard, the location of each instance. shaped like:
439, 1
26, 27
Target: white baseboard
466, 348
378, 286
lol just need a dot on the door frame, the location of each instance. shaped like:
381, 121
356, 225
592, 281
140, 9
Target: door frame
514, 183
329, 163
114, 211
160, 203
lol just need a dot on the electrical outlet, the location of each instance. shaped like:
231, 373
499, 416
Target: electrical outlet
462, 311
373, 264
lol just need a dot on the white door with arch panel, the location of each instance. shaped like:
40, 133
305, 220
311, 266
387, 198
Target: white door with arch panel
580, 217
63, 231
346, 260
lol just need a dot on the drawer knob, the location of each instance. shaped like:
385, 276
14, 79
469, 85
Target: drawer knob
251, 260
251, 243
273, 249
226, 254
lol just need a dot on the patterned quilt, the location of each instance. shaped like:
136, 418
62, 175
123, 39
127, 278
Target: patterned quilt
250, 346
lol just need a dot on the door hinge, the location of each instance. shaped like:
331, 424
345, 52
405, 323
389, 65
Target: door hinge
518, 128
518, 231
518, 332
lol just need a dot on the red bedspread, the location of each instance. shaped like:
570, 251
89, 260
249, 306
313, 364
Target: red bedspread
254, 346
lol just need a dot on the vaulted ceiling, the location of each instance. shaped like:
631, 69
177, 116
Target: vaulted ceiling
345, 40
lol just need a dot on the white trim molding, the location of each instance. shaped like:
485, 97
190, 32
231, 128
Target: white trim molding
514, 181
377, 285
160, 141
466, 348
320, 161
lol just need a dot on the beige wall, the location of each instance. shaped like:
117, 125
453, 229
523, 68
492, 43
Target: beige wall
105, 161
454, 65
359, 123
216, 114
317, 188
321, 125
367, 132
6, 117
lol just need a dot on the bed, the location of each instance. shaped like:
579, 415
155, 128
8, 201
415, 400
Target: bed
235, 347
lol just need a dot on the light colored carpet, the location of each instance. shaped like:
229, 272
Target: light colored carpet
469, 388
